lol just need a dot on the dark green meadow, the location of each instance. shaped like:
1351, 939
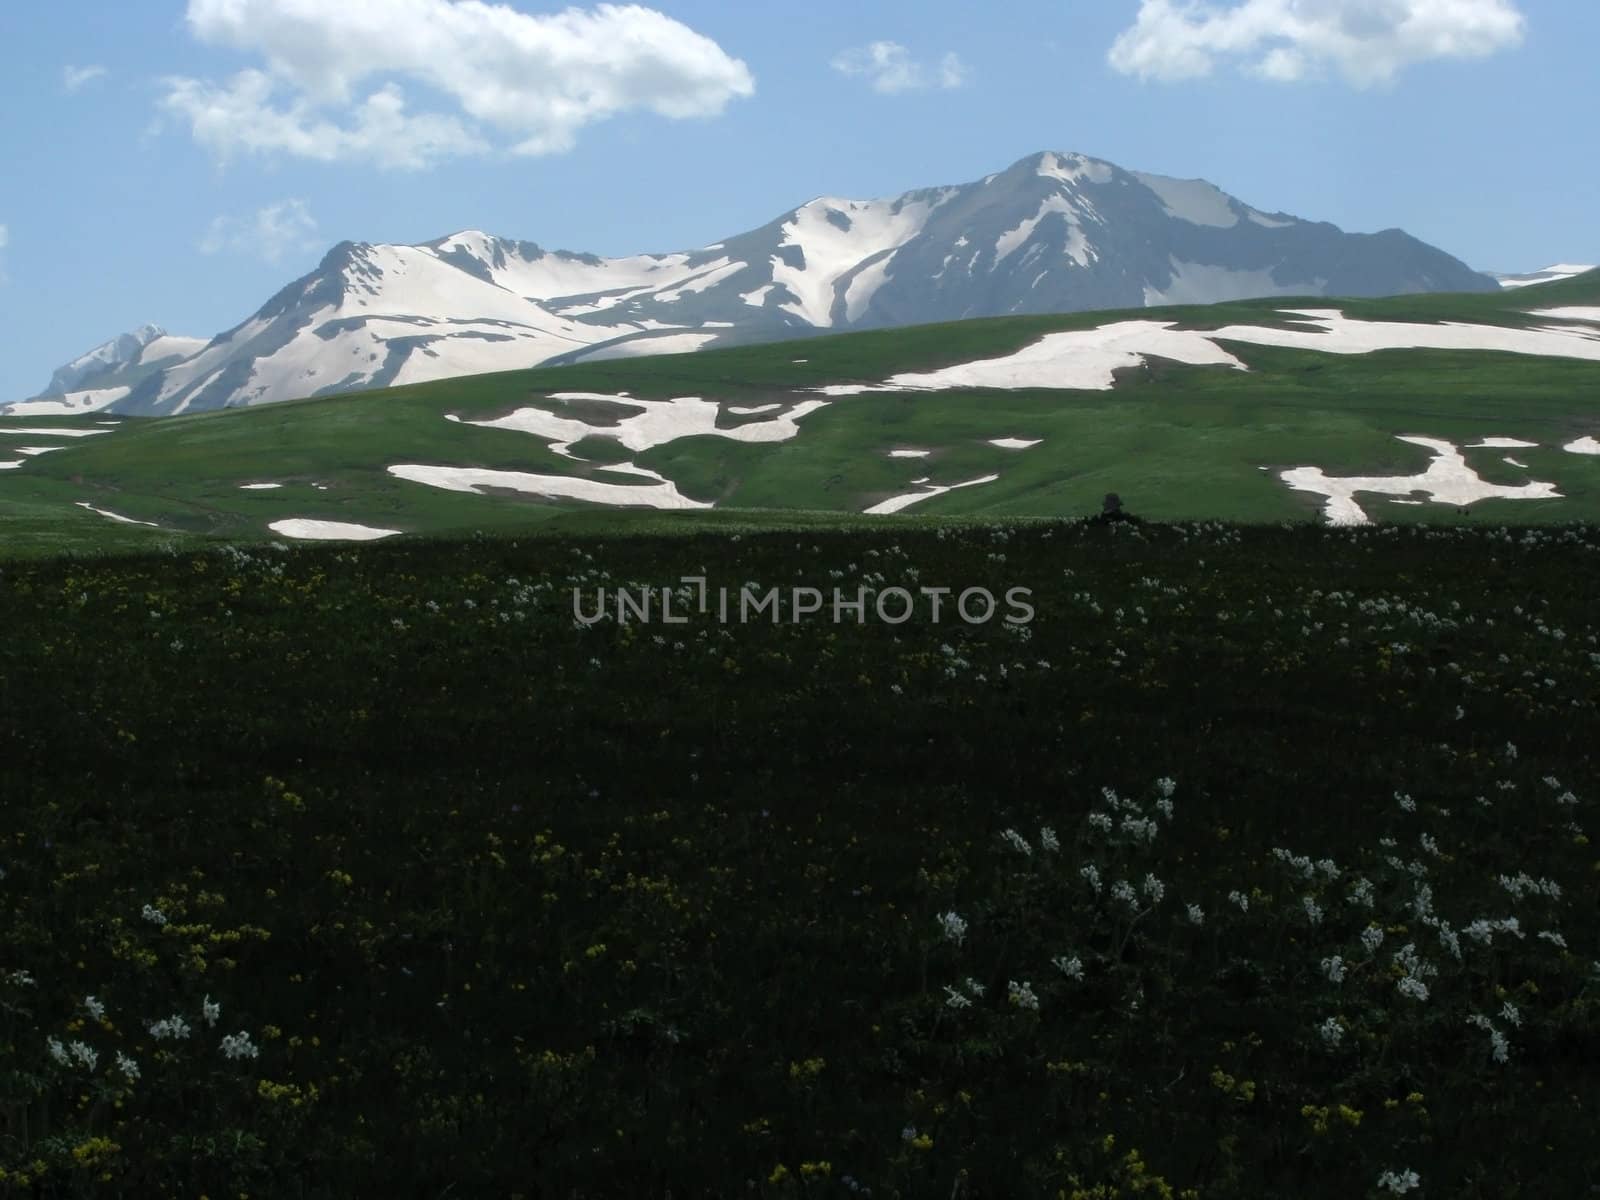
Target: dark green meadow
1256, 864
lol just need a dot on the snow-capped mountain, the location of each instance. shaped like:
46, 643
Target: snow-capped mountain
1548, 275
1052, 233
145, 345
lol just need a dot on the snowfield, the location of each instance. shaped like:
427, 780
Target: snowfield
308, 530
70, 404
1448, 480
115, 516
662, 494
42, 431
656, 422
1087, 358
1576, 313
897, 503
1082, 358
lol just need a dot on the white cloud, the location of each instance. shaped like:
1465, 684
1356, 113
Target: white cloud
891, 68
73, 78
330, 88
269, 233
1366, 41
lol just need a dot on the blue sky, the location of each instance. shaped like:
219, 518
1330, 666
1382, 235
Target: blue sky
178, 161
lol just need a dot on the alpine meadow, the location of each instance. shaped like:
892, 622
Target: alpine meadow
1071, 684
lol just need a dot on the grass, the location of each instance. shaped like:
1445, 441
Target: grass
509, 906
1180, 442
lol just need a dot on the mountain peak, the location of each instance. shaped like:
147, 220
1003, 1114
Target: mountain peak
107, 356
1057, 231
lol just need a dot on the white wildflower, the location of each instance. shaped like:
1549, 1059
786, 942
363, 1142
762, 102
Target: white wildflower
1372, 938
237, 1045
1072, 967
1091, 875
1333, 968
127, 1066
1022, 995
1410, 985
1048, 839
1332, 1032
1239, 898
172, 1027
1139, 827
154, 915
1017, 842
94, 1008
57, 1051
1197, 915
1449, 940
955, 929
1154, 888
1502, 1047
1399, 1184
956, 1000
210, 1010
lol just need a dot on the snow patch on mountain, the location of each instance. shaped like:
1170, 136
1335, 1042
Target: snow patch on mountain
1073, 168
1077, 245
835, 235
1192, 200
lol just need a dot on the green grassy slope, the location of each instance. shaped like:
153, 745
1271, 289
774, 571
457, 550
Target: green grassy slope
1176, 441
